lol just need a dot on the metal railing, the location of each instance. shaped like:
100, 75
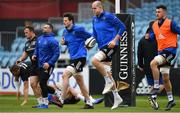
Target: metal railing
6, 39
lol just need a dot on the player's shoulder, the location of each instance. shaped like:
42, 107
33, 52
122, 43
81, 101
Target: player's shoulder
108, 14
78, 28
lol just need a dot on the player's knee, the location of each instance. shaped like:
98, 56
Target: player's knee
165, 78
98, 57
153, 64
69, 71
94, 61
79, 78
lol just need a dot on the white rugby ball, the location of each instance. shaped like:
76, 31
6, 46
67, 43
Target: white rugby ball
90, 42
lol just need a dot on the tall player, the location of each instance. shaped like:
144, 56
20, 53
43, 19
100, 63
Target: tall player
107, 29
165, 32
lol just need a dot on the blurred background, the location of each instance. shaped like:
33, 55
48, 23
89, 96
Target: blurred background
15, 14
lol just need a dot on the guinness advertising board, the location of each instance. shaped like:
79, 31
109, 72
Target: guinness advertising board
123, 65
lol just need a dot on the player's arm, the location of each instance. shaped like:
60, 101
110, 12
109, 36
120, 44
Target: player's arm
140, 55
63, 41
112, 19
175, 28
25, 90
22, 58
94, 33
17, 85
54, 44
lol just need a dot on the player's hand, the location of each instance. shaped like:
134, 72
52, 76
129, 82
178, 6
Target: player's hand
112, 44
34, 57
62, 41
46, 66
24, 102
18, 61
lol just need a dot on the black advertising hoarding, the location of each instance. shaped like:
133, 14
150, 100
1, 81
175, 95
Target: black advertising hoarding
123, 64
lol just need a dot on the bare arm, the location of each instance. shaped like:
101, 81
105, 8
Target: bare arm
25, 90
23, 57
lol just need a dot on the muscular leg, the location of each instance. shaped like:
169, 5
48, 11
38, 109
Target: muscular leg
96, 61
84, 91
155, 71
99, 66
158, 60
34, 81
80, 81
167, 82
66, 76
168, 86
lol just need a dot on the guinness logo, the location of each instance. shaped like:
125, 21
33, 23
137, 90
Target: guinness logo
121, 85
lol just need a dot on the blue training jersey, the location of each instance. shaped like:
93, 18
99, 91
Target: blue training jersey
105, 27
47, 50
75, 40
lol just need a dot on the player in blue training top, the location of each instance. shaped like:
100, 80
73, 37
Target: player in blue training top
74, 37
107, 30
46, 53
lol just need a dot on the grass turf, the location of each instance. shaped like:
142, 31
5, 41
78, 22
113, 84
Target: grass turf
9, 104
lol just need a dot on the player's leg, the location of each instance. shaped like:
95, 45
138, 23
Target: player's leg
43, 78
158, 60
117, 98
152, 98
84, 91
97, 62
168, 87
68, 72
34, 82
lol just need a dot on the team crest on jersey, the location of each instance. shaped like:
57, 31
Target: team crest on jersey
161, 36
103, 18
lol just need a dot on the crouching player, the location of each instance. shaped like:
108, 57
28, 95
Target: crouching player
24, 71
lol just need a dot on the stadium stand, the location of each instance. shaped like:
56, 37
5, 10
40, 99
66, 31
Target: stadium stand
143, 16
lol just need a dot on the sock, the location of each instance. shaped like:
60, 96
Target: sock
58, 93
116, 94
92, 99
154, 96
89, 102
107, 79
156, 84
45, 101
81, 97
39, 100
170, 96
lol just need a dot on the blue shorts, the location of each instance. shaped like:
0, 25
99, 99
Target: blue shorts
150, 80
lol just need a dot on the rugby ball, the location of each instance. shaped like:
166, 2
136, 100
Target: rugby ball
90, 42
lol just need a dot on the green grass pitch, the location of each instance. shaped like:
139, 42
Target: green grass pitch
9, 104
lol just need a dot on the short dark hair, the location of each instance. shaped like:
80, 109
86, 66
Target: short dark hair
70, 16
30, 28
161, 6
50, 25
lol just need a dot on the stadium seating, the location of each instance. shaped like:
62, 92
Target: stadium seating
143, 16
